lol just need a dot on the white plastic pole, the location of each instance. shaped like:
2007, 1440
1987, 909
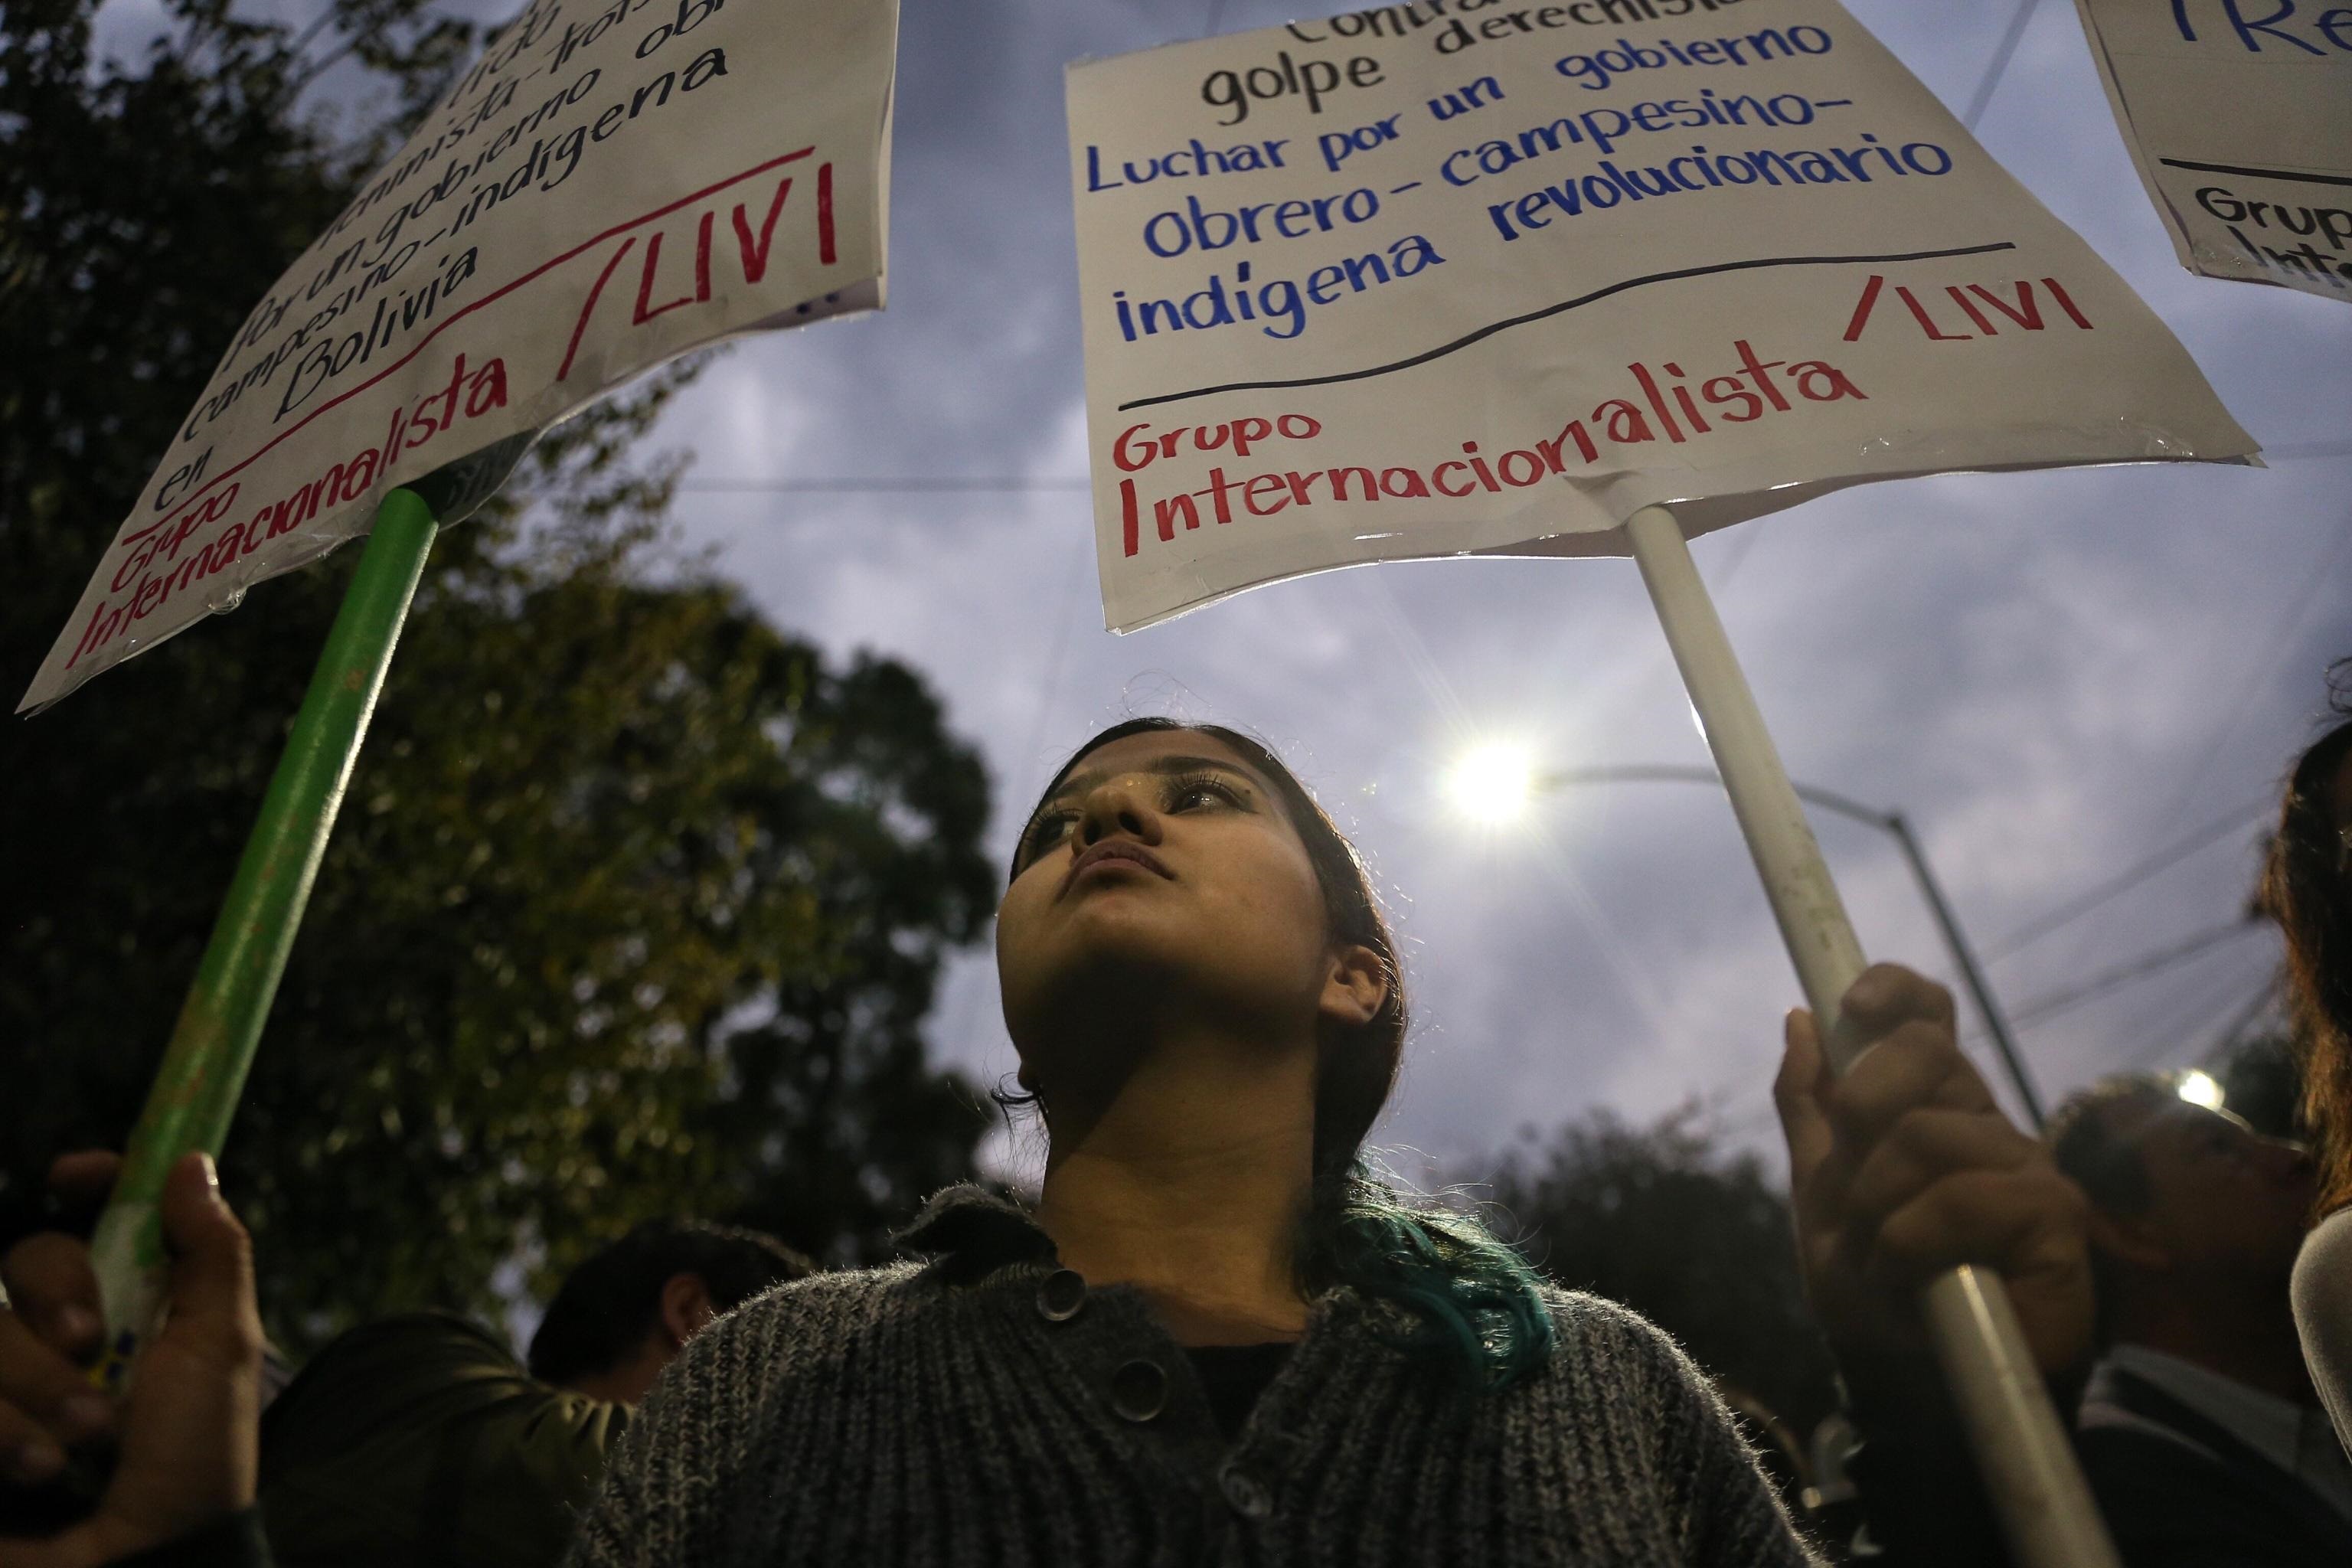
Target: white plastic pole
2021, 1452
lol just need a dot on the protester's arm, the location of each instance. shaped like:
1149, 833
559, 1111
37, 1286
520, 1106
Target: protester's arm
184, 1472
1899, 1171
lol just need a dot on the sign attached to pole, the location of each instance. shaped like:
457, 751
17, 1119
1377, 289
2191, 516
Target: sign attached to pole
614, 183
1421, 281
2239, 118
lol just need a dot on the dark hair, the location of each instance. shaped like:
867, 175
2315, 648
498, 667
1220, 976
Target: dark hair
2308, 891
2087, 1150
2108, 1166
608, 1305
1474, 1298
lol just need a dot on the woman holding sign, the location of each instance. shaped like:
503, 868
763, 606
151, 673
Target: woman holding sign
1216, 1337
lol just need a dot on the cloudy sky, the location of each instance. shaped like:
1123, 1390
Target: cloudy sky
2057, 676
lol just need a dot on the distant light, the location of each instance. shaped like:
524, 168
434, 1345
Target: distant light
1493, 782
2199, 1089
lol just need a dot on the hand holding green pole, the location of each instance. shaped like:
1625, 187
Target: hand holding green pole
202, 1071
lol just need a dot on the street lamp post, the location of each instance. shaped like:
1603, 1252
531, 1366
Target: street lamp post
1891, 822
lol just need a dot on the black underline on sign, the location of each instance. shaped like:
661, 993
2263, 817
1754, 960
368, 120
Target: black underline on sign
1618, 288
2258, 173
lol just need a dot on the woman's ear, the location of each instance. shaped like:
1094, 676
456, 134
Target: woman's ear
1356, 987
685, 1308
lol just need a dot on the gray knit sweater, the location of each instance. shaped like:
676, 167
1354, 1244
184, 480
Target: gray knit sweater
987, 1409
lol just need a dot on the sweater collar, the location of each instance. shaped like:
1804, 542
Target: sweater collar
972, 1231
969, 1232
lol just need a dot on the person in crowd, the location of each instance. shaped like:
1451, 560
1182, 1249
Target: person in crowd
420, 1439
420, 1442
2307, 888
1216, 1334
2199, 1431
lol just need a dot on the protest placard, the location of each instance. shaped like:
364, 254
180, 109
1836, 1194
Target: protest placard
613, 183
2239, 118
1444, 278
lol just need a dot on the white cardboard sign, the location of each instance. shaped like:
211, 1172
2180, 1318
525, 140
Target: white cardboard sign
1448, 278
614, 183
2239, 117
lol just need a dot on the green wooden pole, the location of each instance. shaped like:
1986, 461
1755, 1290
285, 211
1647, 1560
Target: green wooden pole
195, 1089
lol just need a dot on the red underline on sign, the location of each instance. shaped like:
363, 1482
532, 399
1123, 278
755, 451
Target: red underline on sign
1618, 288
492, 298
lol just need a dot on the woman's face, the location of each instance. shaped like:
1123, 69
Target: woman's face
1162, 874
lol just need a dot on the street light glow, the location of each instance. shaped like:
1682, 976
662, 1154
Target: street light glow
1493, 782
2199, 1089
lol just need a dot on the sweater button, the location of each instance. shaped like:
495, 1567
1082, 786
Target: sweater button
1138, 1391
1061, 1297
1244, 1492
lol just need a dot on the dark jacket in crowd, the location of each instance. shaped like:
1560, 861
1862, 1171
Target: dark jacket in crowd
420, 1442
2180, 1490
988, 1408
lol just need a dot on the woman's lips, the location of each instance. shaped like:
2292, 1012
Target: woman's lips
1114, 850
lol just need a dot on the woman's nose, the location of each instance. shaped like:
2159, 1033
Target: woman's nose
1115, 807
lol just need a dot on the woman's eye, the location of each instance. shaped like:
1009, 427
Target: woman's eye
1046, 832
1192, 794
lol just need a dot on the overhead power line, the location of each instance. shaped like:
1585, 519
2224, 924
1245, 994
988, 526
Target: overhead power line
2044, 924
2233, 1033
2284, 630
2137, 969
1998, 66
2172, 1042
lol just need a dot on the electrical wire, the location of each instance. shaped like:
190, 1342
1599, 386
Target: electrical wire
1057, 659
2168, 1036
2137, 969
2005, 52
2050, 920
2242, 1019
2284, 630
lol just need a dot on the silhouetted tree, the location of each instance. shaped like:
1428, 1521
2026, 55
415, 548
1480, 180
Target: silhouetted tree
1694, 1239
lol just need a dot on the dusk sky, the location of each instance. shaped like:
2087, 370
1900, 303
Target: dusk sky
2057, 676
